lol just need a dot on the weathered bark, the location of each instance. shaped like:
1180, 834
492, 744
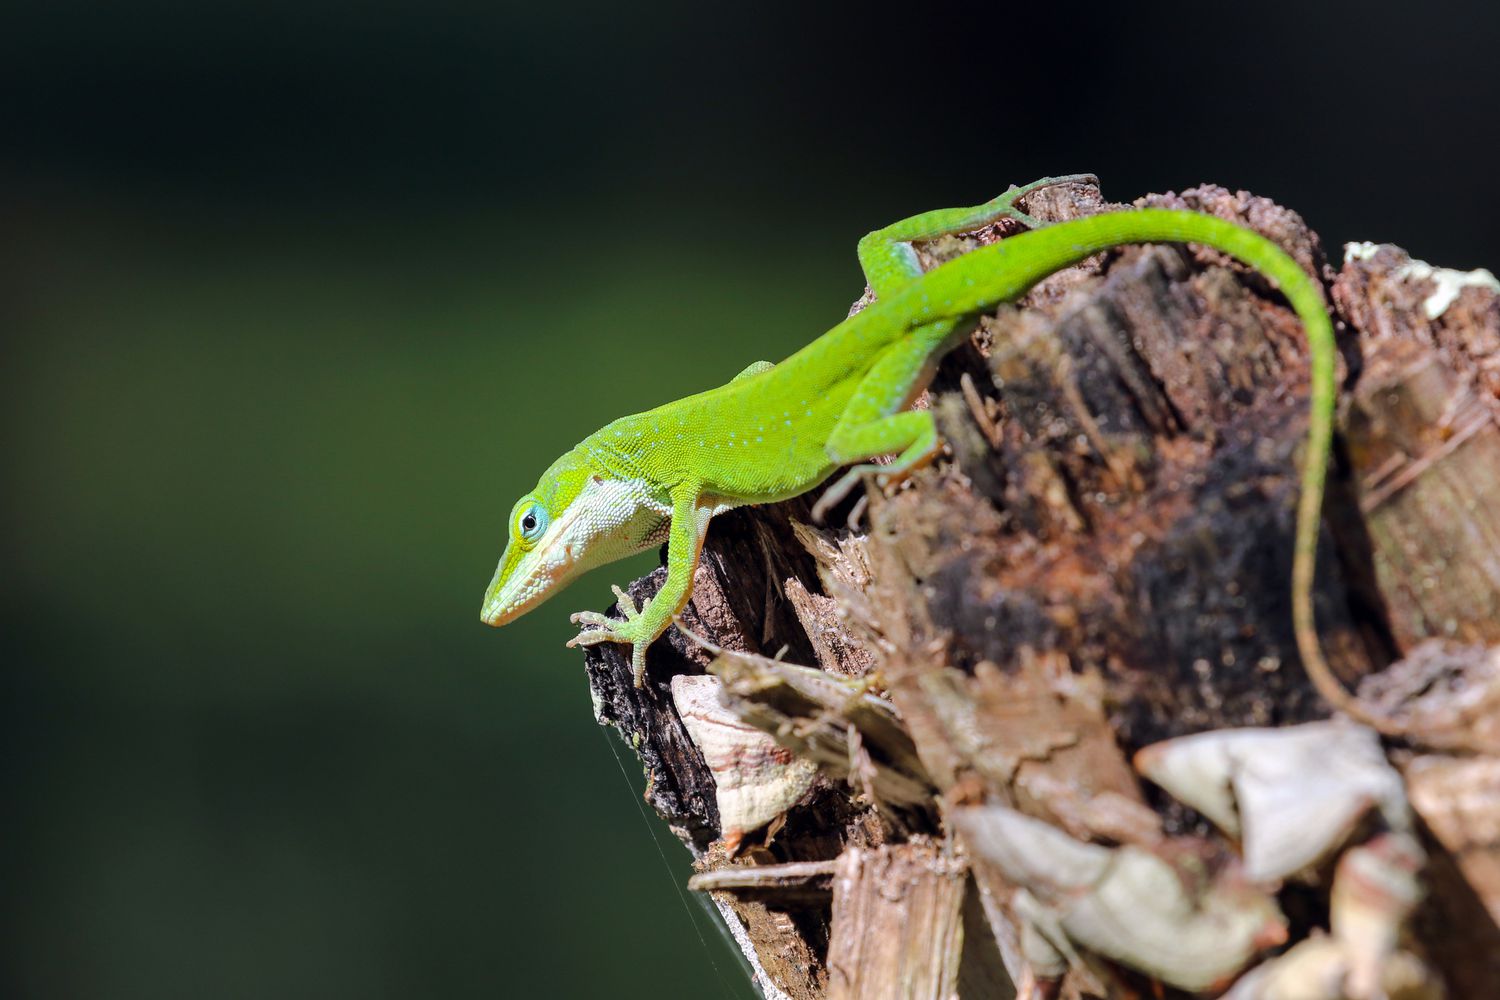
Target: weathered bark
1103, 565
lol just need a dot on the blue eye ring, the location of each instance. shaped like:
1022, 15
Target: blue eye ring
531, 521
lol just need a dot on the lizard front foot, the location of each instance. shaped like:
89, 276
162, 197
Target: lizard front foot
601, 628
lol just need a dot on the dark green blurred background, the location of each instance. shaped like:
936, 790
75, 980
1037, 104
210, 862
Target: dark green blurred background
297, 297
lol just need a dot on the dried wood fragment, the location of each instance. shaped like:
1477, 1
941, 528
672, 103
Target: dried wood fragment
897, 924
852, 736
1290, 796
755, 780
1425, 447
806, 882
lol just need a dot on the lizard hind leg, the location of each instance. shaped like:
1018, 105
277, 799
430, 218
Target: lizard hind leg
886, 254
876, 421
873, 424
1011, 197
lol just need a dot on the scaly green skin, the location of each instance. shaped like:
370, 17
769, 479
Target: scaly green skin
775, 432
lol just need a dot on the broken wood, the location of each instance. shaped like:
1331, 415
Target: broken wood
865, 737
897, 928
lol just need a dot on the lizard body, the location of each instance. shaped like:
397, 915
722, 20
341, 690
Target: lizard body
777, 431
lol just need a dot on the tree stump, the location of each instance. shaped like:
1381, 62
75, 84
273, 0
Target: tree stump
1036, 725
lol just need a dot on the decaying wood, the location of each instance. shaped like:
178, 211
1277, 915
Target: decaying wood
897, 928
912, 759
806, 882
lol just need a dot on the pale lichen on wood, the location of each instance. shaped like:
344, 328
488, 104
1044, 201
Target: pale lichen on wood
1098, 580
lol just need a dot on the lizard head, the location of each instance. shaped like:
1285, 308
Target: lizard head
577, 518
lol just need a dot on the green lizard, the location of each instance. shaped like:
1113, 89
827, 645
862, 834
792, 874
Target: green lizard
776, 431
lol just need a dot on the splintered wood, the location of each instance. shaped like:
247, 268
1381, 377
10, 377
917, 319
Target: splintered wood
1038, 727
896, 924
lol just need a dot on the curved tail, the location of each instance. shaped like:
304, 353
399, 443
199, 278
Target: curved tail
1005, 270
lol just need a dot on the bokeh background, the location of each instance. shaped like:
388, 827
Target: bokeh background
297, 297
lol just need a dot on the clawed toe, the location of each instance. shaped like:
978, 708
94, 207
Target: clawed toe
592, 638
835, 494
857, 513
626, 602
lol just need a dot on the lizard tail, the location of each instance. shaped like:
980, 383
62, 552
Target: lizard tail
1025, 259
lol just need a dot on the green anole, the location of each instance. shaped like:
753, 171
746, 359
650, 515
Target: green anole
777, 431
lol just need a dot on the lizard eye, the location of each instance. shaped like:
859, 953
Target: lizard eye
532, 522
